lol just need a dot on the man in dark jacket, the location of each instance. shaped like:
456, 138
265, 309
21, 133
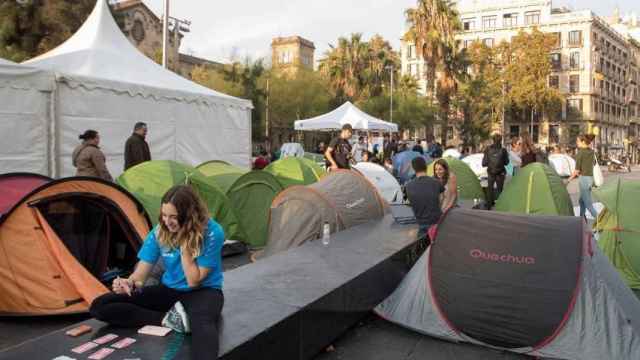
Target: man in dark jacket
495, 159
136, 149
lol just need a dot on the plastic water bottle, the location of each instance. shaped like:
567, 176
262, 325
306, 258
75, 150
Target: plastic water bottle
326, 233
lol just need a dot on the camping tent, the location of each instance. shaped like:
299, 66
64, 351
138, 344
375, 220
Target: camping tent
536, 285
222, 173
536, 189
402, 167
343, 199
563, 164
59, 240
619, 227
347, 113
469, 187
295, 171
25, 109
6, 62
475, 163
15, 186
103, 82
149, 181
385, 183
452, 153
251, 196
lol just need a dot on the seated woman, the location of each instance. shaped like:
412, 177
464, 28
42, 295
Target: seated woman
190, 245
449, 197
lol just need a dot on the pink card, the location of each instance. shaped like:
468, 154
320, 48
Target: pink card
101, 354
84, 347
123, 343
105, 339
154, 330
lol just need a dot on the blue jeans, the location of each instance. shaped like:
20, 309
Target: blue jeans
586, 203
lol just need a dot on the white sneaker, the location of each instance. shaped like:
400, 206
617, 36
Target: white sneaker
177, 319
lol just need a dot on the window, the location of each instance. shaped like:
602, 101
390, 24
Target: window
514, 131
467, 43
554, 134
556, 61
558, 38
488, 22
449, 132
574, 104
285, 57
532, 18
509, 20
469, 24
488, 42
575, 38
536, 135
574, 60
414, 69
574, 84
554, 81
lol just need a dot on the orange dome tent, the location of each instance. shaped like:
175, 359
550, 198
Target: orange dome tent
60, 239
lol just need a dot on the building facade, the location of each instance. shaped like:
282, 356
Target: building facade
143, 28
288, 54
591, 67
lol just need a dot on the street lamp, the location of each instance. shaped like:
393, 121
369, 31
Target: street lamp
390, 68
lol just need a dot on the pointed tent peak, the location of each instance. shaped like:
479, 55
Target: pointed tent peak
99, 50
346, 113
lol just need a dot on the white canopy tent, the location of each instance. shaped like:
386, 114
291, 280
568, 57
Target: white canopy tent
104, 83
25, 113
347, 113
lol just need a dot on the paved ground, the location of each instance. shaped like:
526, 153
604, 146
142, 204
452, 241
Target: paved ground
372, 339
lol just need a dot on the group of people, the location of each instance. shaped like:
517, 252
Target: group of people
89, 160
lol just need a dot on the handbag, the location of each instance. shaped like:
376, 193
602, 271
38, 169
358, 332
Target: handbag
598, 179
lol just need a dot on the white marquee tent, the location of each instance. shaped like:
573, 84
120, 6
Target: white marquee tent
347, 113
102, 82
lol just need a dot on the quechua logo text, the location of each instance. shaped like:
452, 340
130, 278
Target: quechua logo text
502, 258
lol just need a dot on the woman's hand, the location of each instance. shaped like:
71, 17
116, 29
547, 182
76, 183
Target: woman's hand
123, 286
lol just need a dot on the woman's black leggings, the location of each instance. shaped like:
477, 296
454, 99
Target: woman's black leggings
149, 305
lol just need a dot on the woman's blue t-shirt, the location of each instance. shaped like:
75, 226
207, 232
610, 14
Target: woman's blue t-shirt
210, 257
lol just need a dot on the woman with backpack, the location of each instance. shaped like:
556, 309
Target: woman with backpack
585, 161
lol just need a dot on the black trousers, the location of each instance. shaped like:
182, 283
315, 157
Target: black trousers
149, 305
494, 188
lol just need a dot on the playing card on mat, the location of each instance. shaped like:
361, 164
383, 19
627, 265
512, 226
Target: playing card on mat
105, 339
123, 343
84, 347
101, 354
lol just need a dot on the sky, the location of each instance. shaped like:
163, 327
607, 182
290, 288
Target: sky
227, 30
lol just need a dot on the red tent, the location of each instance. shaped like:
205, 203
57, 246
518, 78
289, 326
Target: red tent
15, 186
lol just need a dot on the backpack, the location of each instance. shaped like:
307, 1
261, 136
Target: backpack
495, 161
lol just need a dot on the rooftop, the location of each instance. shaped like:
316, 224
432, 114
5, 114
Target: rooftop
292, 39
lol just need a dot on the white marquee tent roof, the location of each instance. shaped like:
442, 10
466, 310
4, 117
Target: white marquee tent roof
99, 50
347, 113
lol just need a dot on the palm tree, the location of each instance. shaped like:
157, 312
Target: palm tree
433, 24
344, 65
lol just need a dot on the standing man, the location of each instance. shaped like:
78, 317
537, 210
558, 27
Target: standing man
136, 149
358, 149
495, 159
423, 193
338, 153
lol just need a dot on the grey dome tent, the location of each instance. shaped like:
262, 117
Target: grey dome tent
343, 198
535, 285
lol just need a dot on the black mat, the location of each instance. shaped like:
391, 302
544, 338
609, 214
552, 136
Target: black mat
288, 306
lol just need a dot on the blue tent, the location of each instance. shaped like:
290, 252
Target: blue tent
402, 165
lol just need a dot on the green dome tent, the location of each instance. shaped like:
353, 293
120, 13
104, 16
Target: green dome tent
149, 181
222, 173
295, 171
468, 184
619, 226
251, 196
536, 189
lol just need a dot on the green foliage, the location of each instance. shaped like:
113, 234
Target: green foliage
356, 69
32, 27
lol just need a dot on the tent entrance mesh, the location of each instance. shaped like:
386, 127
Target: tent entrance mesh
95, 231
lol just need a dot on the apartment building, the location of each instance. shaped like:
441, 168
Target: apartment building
591, 67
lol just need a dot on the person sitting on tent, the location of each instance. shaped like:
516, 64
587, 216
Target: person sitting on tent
448, 179
136, 149
423, 193
88, 159
585, 161
190, 246
338, 153
495, 159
